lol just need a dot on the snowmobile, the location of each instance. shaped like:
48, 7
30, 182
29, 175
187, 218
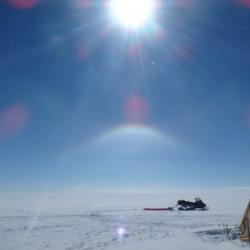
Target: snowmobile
198, 204
183, 205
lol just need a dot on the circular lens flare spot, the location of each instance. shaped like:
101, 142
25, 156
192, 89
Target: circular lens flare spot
136, 109
121, 232
23, 4
245, 3
13, 120
132, 14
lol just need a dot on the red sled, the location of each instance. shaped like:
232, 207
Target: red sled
158, 209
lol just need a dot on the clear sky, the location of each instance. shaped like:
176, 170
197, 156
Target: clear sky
87, 101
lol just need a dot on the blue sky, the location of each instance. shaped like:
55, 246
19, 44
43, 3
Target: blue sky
87, 103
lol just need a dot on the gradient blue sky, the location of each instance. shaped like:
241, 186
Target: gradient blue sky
86, 103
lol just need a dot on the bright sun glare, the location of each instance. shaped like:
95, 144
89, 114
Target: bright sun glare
132, 14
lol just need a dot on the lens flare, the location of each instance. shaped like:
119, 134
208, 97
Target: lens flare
121, 232
136, 109
23, 4
129, 136
13, 120
245, 3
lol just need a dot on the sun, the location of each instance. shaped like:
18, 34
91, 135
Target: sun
132, 14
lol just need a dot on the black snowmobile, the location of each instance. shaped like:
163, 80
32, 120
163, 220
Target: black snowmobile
198, 204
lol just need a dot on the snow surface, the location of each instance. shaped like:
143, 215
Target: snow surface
91, 220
